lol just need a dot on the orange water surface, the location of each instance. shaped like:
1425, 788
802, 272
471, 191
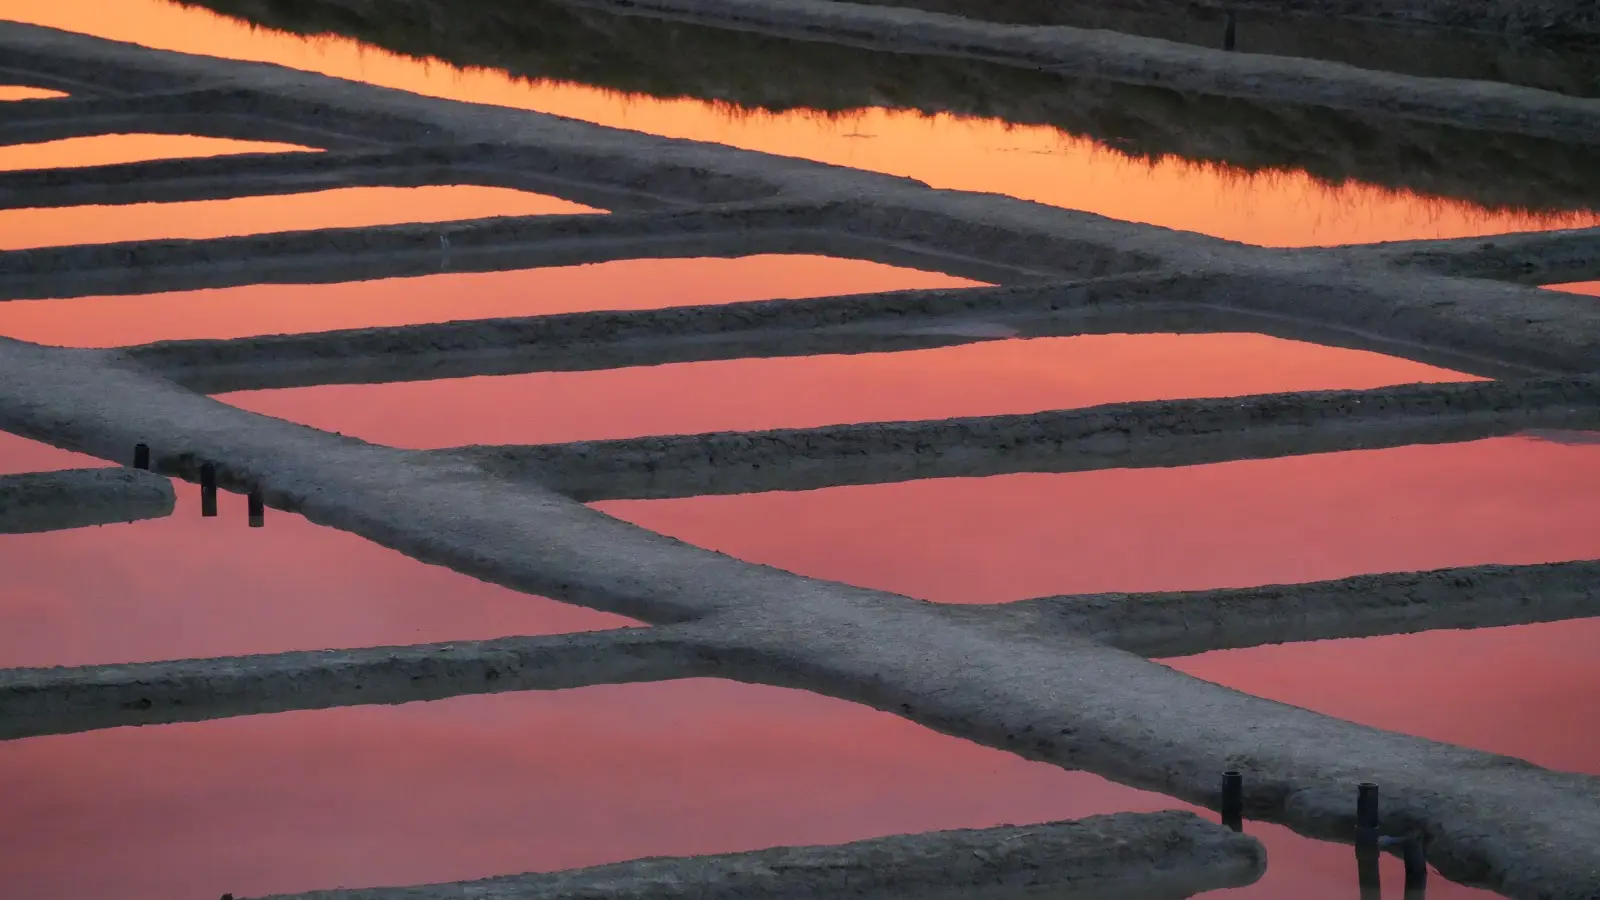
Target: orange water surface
337, 208
18, 92
277, 309
1034, 163
110, 149
1579, 287
990, 378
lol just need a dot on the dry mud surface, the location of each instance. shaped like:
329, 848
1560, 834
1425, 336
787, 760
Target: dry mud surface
1070, 695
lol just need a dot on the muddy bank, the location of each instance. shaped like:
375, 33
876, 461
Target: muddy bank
886, 321
1151, 856
1155, 434
65, 700
506, 243
79, 498
545, 39
1184, 623
1485, 328
237, 114
1372, 33
1551, 257
253, 174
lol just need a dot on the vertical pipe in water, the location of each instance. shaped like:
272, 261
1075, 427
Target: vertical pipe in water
208, 489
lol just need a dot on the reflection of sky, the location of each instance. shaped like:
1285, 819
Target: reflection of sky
1579, 287
341, 208
292, 309
1035, 163
17, 92
989, 378
494, 785
185, 587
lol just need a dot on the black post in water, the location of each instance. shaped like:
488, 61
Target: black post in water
141, 456
208, 489
1233, 800
1367, 814
1229, 33
1367, 876
1416, 857
258, 509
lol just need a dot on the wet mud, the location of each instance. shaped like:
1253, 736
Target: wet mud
55, 501
1094, 859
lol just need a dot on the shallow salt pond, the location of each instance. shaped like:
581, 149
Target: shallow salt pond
219, 313
337, 208
490, 785
189, 587
1578, 287
23, 92
113, 149
986, 378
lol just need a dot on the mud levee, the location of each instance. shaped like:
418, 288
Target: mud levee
1348, 25
615, 339
1154, 856
78, 498
1483, 327
64, 700
1184, 623
1123, 436
250, 175
239, 114
483, 245
542, 39
1551, 257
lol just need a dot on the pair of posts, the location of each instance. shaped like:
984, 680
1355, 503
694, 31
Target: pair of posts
1368, 840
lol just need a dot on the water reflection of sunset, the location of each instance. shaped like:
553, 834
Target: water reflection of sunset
110, 149
993, 378
285, 309
18, 92
1580, 287
1034, 163
338, 208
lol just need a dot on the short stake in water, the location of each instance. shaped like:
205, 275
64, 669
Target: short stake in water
1233, 800
208, 489
1367, 875
1416, 857
258, 509
141, 456
1367, 814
